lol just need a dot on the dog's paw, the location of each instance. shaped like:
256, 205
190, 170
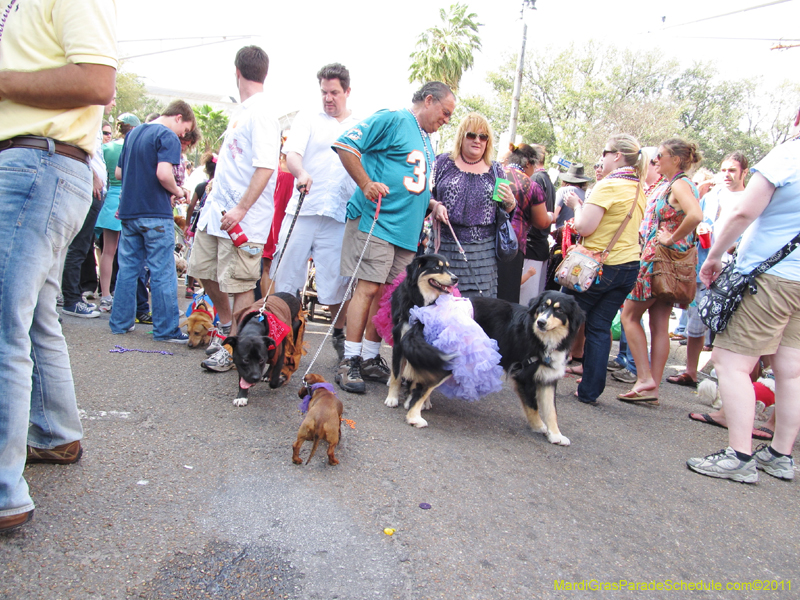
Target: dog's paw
417, 422
240, 401
297, 460
391, 401
427, 405
540, 429
557, 438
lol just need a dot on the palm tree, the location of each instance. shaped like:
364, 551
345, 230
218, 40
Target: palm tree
444, 52
212, 124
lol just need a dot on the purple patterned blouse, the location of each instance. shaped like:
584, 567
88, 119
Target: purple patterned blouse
468, 199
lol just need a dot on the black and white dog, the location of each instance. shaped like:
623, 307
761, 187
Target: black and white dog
534, 343
417, 367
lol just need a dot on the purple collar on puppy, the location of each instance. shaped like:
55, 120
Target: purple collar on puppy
303, 406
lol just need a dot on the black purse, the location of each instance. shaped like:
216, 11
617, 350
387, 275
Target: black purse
726, 292
506, 245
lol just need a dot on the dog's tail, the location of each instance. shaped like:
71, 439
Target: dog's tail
317, 438
419, 353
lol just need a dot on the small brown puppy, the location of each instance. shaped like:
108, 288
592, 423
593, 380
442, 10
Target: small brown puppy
323, 419
199, 324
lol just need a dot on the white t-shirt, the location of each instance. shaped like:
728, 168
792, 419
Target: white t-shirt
252, 141
312, 136
780, 221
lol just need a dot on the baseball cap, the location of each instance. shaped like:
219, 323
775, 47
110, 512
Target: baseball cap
129, 119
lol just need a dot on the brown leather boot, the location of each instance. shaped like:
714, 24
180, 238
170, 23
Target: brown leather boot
65, 454
12, 522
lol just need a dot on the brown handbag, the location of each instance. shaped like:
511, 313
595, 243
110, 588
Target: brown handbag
674, 278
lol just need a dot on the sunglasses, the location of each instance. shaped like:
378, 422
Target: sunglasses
659, 156
106, 133
471, 135
653, 161
608, 152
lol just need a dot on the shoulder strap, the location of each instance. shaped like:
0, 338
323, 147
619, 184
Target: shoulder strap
776, 258
627, 218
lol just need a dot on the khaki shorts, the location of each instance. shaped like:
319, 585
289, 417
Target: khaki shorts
765, 321
382, 261
215, 258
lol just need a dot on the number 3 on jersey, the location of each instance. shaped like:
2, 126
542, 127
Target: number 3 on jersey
416, 184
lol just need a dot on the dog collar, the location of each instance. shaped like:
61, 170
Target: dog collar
303, 406
533, 360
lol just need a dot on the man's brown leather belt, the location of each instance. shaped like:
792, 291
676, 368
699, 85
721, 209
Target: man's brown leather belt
42, 143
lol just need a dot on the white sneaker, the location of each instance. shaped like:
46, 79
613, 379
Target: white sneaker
219, 362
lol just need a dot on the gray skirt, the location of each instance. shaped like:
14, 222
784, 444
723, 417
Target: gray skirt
480, 274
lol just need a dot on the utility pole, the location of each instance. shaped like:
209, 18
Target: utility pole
512, 126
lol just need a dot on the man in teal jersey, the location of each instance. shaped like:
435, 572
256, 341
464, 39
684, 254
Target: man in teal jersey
388, 155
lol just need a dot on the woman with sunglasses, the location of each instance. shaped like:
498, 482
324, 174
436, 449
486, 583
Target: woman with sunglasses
675, 215
463, 185
597, 220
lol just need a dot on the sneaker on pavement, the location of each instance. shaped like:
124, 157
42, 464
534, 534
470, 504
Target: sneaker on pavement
725, 465
106, 303
145, 318
624, 375
781, 467
217, 339
89, 296
375, 369
348, 376
338, 345
220, 362
80, 310
613, 365
178, 338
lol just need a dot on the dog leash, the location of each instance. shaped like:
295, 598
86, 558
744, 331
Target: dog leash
349, 288
437, 232
286, 242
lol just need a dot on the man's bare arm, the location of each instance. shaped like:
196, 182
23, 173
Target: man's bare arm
295, 163
352, 164
167, 179
70, 86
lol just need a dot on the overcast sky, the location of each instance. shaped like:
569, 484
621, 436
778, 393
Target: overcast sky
374, 40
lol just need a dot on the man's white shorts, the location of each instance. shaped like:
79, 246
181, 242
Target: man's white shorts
313, 236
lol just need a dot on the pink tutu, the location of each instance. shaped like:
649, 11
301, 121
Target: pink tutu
383, 318
449, 327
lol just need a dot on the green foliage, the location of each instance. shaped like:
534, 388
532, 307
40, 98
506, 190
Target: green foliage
444, 52
212, 124
132, 97
574, 98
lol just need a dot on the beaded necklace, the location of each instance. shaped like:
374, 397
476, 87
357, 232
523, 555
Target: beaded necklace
516, 167
471, 163
6, 12
425, 135
627, 173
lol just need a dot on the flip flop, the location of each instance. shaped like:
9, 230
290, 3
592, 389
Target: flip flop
683, 379
634, 396
577, 369
759, 433
706, 418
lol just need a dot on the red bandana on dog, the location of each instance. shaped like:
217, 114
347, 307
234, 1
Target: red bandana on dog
277, 328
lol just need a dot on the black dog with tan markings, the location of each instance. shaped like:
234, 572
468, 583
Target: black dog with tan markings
534, 343
417, 367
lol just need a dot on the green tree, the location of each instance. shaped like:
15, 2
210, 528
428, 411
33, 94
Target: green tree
445, 51
132, 97
212, 124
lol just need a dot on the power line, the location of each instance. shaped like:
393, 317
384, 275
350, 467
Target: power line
230, 39
194, 37
724, 15
742, 39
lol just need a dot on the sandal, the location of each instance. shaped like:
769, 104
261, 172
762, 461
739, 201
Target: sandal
634, 396
683, 379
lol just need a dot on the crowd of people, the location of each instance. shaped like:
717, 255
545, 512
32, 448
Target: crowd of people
121, 191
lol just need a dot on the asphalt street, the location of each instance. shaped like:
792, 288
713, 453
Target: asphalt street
180, 494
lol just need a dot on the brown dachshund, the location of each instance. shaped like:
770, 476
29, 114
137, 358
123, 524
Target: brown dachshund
323, 420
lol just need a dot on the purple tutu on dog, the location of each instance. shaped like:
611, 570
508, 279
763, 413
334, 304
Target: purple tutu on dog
449, 328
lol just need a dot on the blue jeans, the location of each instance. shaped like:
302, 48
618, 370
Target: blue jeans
625, 357
44, 199
76, 255
147, 241
601, 303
